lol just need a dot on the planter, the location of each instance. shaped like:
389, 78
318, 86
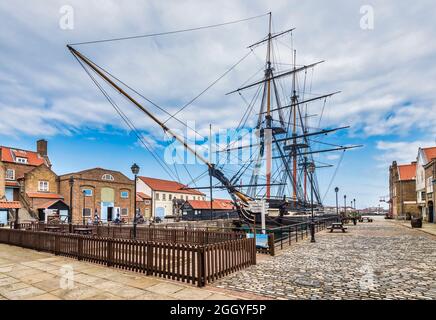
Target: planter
416, 222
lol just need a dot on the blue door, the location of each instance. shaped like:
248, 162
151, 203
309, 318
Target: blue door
3, 217
9, 194
160, 212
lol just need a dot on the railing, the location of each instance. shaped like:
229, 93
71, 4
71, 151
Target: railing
147, 233
192, 263
283, 236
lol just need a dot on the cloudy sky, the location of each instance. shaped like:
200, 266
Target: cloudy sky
386, 74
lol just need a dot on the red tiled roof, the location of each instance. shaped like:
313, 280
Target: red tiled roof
10, 154
430, 153
218, 204
10, 205
143, 195
407, 171
168, 186
44, 195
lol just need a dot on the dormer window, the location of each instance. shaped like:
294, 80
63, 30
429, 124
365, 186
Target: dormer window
108, 177
21, 160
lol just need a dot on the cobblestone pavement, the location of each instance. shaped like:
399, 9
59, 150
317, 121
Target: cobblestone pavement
379, 260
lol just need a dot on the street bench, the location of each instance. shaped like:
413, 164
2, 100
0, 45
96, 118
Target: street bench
337, 226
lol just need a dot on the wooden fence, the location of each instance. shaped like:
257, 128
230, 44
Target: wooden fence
198, 264
148, 233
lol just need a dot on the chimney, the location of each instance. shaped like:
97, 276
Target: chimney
41, 147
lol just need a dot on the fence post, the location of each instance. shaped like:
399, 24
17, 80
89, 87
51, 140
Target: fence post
110, 252
201, 264
271, 244
149, 258
57, 245
80, 248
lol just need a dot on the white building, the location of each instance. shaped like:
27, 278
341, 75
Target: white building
163, 192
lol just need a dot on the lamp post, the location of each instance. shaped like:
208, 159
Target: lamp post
311, 170
337, 206
70, 212
135, 170
354, 200
84, 205
345, 205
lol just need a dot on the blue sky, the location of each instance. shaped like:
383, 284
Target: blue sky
386, 75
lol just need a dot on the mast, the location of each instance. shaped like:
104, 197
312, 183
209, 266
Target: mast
294, 129
268, 132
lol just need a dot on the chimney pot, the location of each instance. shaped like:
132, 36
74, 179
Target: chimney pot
41, 147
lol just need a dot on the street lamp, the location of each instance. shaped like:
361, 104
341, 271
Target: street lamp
70, 212
345, 205
84, 205
337, 206
135, 170
311, 169
354, 200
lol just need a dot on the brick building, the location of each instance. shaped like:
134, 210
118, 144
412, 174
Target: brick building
402, 190
143, 204
15, 163
26, 177
106, 192
425, 180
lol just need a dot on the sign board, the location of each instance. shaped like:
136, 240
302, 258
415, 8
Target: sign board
261, 240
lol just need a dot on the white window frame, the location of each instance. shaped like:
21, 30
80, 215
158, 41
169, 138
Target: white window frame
107, 177
88, 195
121, 212
121, 194
7, 176
21, 160
42, 183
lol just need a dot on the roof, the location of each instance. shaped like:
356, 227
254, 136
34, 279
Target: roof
10, 205
10, 154
407, 171
141, 196
50, 203
168, 186
430, 153
44, 195
218, 204
11, 184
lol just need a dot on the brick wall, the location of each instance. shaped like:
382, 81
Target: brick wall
92, 179
41, 173
403, 194
2, 180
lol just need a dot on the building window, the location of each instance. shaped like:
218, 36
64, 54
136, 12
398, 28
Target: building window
86, 212
147, 202
157, 196
43, 186
108, 177
21, 160
124, 194
170, 197
10, 174
164, 197
87, 192
124, 211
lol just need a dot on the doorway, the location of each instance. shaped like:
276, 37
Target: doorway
430, 212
